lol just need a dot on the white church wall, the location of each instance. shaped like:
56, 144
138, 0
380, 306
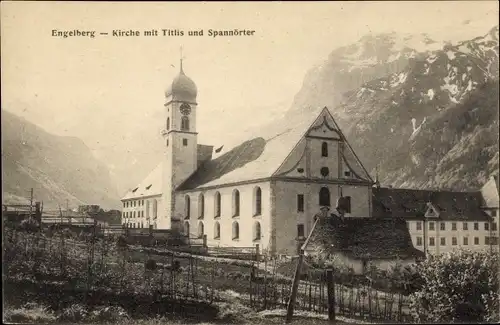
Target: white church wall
136, 215
246, 219
317, 161
361, 196
288, 216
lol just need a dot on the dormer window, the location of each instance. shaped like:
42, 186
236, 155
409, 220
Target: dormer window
149, 186
431, 211
135, 189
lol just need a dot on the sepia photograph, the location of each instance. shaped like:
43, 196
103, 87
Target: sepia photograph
323, 162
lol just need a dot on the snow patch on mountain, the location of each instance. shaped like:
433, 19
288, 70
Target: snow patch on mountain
430, 93
416, 129
393, 57
452, 88
399, 79
464, 49
431, 59
451, 55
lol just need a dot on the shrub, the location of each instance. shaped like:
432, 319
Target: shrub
74, 313
108, 314
29, 225
121, 242
150, 265
458, 286
233, 311
30, 313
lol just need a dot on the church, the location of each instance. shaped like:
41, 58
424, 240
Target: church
262, 188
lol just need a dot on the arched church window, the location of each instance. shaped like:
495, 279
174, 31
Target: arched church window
324, 197
256, 231
324, 171
168, 123
187, 207
324, 149
348, 204
201, 206
155, 208
236, 230
201, 229
257, 201
217, 230
217, 204
186, 228
185, 123
236, 203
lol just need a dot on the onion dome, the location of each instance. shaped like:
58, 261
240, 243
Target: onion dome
182, 88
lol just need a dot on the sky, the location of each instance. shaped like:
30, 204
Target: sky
101, 88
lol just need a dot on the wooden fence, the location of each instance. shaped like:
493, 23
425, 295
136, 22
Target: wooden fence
100, 264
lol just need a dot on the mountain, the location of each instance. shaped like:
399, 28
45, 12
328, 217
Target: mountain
428, 119
348, 67
57, 168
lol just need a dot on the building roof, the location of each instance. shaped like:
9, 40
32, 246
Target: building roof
409, 203
260, 152
490, 192
204, 153
69, 220
182, 88
253, 154
57, 213
152, 185
362, 238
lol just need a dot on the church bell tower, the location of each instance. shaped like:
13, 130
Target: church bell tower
180, 142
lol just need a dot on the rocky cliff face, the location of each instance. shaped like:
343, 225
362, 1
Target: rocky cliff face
58, 168
349, 67
426, 117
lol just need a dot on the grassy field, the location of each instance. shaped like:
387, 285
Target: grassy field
39, 315
242, 287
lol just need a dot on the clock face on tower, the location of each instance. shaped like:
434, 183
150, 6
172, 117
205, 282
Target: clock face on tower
185, 109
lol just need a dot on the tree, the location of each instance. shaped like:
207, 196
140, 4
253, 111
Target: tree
456, 287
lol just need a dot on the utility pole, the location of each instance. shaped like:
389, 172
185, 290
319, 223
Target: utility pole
491, 233
60, 213
31, 202
296, 277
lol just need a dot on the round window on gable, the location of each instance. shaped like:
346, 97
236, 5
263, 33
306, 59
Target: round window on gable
324, 171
